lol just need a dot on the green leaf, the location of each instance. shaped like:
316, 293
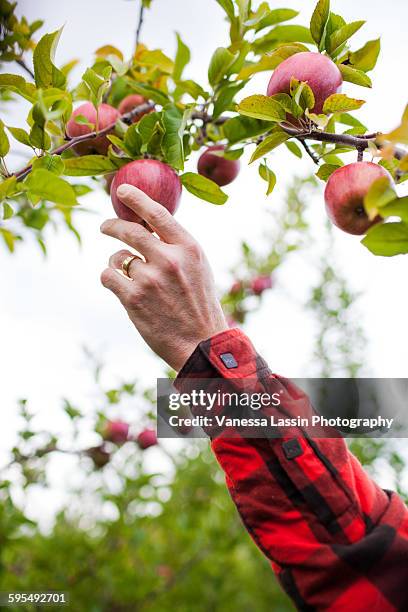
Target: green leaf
182, 58
396, 208
282, 34
319, 20
191, 88
7, 187
352, 75
150, 93
46, 73
156, 59
243, 9
20, 135
347, 119
98, 84
148, 125
302, 94
270, 62
242, 128
325, 171
133, 140
294, 148
387, 239
340, 103
233, 153
256, 17
270, 143
53, 163
203, 188
8, 212
380, 194
39, 138
225, 96
269, 176
9, 238
365, 59
220, 62
18, 85
261, 107
340, 36
228, 7
4, 141
174, 123
276, 16
50, 187
88, 165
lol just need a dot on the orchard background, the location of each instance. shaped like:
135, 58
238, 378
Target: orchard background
340, 304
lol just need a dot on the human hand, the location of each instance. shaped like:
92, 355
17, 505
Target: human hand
170, 297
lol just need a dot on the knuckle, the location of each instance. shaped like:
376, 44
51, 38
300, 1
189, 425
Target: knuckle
171, 264
106, 277
117, 258
194, 250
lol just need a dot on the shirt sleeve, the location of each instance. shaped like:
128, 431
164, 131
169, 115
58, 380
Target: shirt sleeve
335, 539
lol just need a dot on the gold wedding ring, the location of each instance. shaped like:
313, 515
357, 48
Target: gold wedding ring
126, 264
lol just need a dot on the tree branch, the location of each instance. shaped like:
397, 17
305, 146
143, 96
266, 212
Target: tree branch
309, 151
127, 118
24, 66
140, 23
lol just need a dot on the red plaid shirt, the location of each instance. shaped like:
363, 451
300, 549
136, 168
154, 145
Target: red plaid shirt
334, 538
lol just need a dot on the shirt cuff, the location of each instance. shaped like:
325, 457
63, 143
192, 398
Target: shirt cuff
229, 354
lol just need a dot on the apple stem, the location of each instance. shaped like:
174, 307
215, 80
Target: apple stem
360, 154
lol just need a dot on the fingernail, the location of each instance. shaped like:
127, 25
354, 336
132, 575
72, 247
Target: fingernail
124, 190
104, 226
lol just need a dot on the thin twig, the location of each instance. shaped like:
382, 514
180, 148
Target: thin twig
24, 66
309, 151
127, 118
140, 23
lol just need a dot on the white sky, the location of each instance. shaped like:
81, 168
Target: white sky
50, 308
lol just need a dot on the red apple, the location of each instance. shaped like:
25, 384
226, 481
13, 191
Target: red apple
129, 103
318, 70
215, 167
146, 438
107, 115
116, 431
108, 181
261, 283
345, 192
156, 179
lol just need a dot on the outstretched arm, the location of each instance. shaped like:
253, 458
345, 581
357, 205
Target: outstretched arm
335, 539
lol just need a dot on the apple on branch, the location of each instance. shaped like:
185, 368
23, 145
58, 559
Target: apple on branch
116, 432
261, 283
130, 102
146, 438
158, 180
317, 70
345, 193
216, 167
106, 115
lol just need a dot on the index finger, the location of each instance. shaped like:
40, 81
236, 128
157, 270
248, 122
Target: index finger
155, 214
